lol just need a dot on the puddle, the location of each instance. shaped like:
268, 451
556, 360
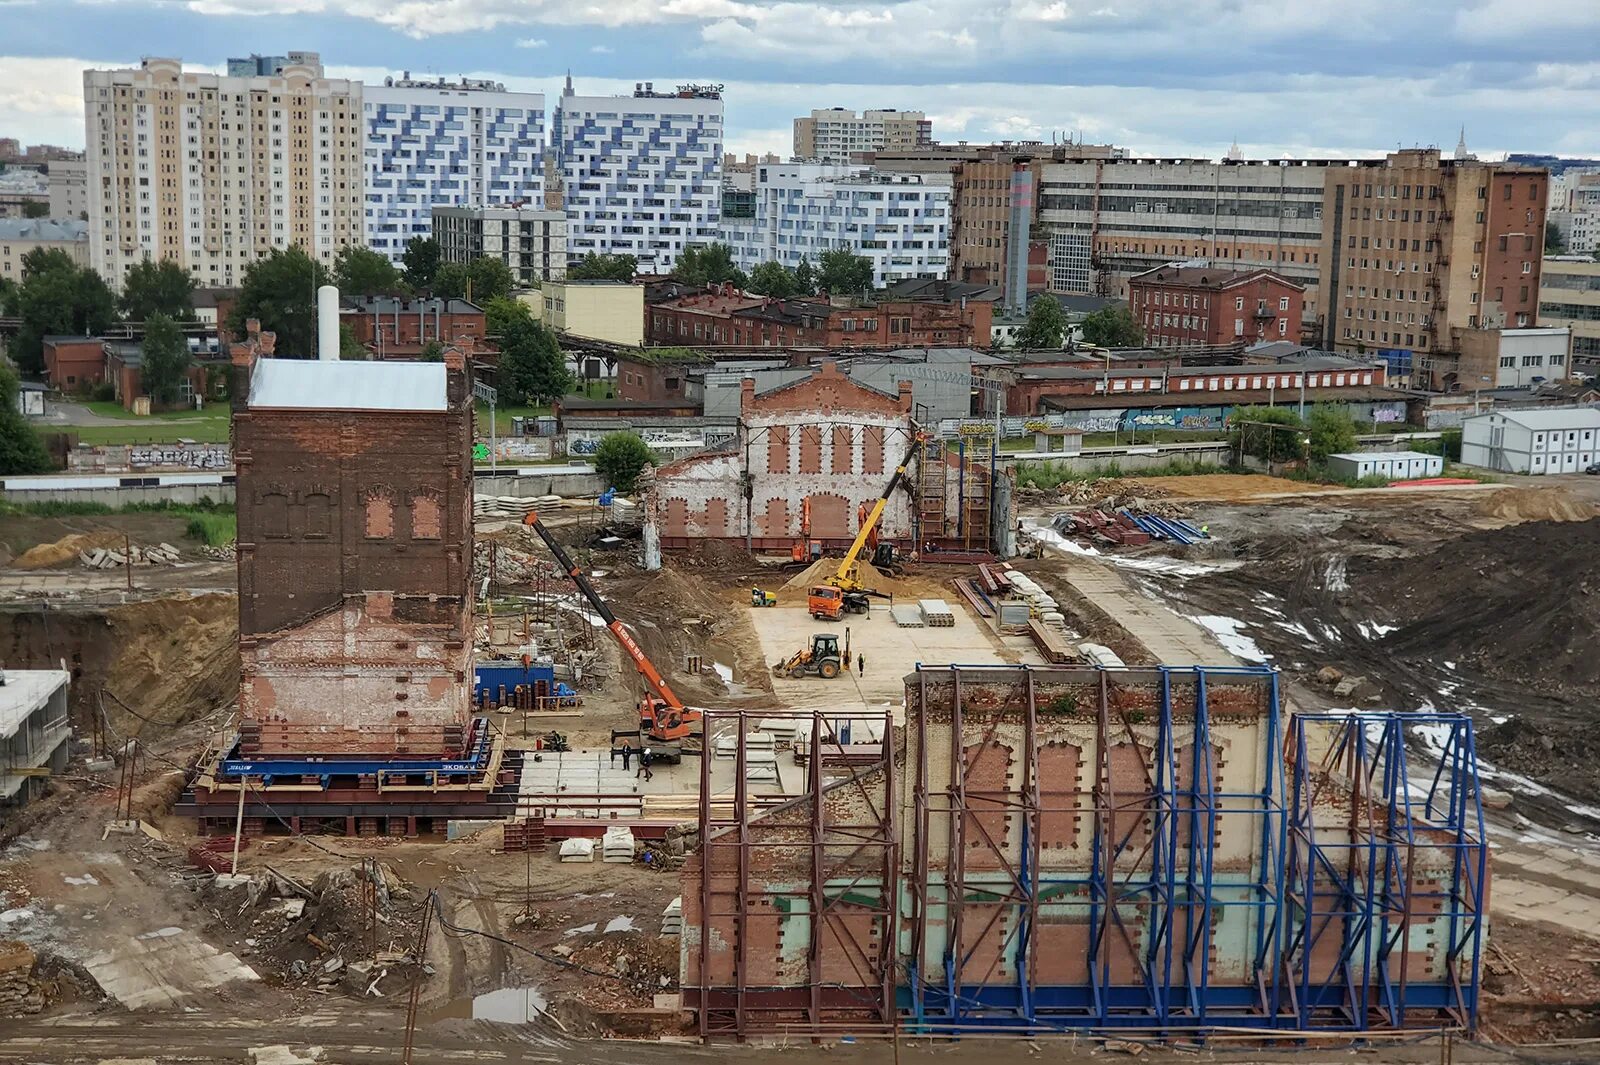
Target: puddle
620, 924
86, 880
725, 672
509, 1005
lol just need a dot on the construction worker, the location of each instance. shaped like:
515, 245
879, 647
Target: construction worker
627, 757
645, 757
861, 665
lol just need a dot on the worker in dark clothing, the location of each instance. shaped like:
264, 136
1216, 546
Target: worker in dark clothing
627, 757
861, 665
644, 764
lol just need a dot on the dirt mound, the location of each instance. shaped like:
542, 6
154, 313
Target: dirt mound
66, 549
823, 568
1225, 486
1509, 506
1568, 760
1519, 604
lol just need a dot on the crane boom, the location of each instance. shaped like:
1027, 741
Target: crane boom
641, 661
846, 578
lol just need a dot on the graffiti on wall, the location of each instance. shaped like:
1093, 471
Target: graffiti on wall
673, 441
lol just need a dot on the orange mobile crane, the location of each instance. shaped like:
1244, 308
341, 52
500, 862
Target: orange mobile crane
666, 726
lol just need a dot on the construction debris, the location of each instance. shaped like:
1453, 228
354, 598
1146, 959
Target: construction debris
512, 508
134, 554
937, 613
19, 993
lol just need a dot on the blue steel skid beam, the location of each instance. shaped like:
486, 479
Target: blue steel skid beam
471, 765
1361, 909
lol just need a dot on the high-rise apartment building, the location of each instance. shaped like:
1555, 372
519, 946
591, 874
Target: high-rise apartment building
836, 134
532, 242
641, 174
436, 143
213, 172
1107, 220
1569, 295
69, 189
1418, 250
901, 222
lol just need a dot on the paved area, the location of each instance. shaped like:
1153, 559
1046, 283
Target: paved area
1170, 638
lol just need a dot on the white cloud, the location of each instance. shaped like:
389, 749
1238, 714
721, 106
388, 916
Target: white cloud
601, 49
532, 42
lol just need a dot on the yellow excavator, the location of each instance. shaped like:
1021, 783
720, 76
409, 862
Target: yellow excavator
821, 659
845, 593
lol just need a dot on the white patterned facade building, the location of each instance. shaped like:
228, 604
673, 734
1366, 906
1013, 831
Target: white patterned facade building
641, 174
213, 172
446, 144
899, 221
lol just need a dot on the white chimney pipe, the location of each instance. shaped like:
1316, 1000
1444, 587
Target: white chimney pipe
328, 323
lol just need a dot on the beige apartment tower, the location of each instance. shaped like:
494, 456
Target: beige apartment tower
213, 171
835, 134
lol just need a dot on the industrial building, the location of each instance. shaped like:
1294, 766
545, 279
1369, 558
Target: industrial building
1154, 849
1533, 440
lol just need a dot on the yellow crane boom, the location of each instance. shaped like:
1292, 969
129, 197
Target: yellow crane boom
848, 577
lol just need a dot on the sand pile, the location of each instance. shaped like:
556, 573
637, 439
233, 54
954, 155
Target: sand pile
67, 549
1508, 506
823, 568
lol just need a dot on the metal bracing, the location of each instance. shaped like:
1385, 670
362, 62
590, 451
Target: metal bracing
796, 919
1386, 871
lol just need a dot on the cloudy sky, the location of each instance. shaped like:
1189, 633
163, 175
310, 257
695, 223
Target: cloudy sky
1291, 77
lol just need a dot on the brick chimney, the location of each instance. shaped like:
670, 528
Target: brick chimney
458, 382
905, 395
747, 394
243, 356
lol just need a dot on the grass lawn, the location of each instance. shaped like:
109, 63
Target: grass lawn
214, 411
151, 431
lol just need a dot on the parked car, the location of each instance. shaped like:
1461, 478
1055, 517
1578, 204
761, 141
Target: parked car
1592, 468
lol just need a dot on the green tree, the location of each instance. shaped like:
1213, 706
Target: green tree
710, 264
451, 281
350, 348
499, 314
1112, 327
620, 458
1554, 243
842, 272
607, 267
1274, 434
805, 278
21, 450
1332, 430
364, 272
57, 296
1046, 327
166, 360
35, 209
491, 280
281, 290
532, 368
421, 262
773, 279
158, 287
432, 351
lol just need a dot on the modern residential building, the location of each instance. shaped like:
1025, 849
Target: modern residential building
839, 135
531, 241
1418, 249
899, 221
68, 182
437, 143
19, 236
1533, 440
1108, 220
609, 311
641, 174
1202, 306
213, 172
1569, 295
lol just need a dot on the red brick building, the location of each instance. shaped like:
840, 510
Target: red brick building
399, 329
731, 318
1203, 306
74, 364
124, 368
355, 554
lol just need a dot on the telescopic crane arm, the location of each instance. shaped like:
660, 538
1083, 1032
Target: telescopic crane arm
846, 577
641, 661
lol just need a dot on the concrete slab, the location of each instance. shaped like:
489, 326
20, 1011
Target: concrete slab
890, 651
164, 967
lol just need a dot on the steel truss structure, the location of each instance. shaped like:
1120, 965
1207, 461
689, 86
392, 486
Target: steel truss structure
792, 926
1387, 871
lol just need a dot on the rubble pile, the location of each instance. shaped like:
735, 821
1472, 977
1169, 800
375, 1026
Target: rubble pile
223, 553
134, 555
512, 508
19, 993
511, 566
1112, 494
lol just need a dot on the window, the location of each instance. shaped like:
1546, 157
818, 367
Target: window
1283, 303
1238, 303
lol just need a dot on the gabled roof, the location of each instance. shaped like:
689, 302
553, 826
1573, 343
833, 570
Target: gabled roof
1209, 278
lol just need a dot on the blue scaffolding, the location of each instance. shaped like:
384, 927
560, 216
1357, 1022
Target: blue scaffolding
1207, 898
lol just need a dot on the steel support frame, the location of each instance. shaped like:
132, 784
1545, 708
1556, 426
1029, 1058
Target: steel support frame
1355, 879
824, 878
1171, 877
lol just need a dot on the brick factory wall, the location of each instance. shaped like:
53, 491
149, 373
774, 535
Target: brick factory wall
355, 554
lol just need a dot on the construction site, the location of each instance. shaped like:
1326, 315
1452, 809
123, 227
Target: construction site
833, 738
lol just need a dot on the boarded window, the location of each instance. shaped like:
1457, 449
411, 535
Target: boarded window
844, 453
427, 517
872, 449
778, 449
273, 515
319, 515
717, 518
811, 449
379, 514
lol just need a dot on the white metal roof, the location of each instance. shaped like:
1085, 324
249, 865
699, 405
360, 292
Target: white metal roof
24, 691
1553, 418
1382, 456
325, 385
